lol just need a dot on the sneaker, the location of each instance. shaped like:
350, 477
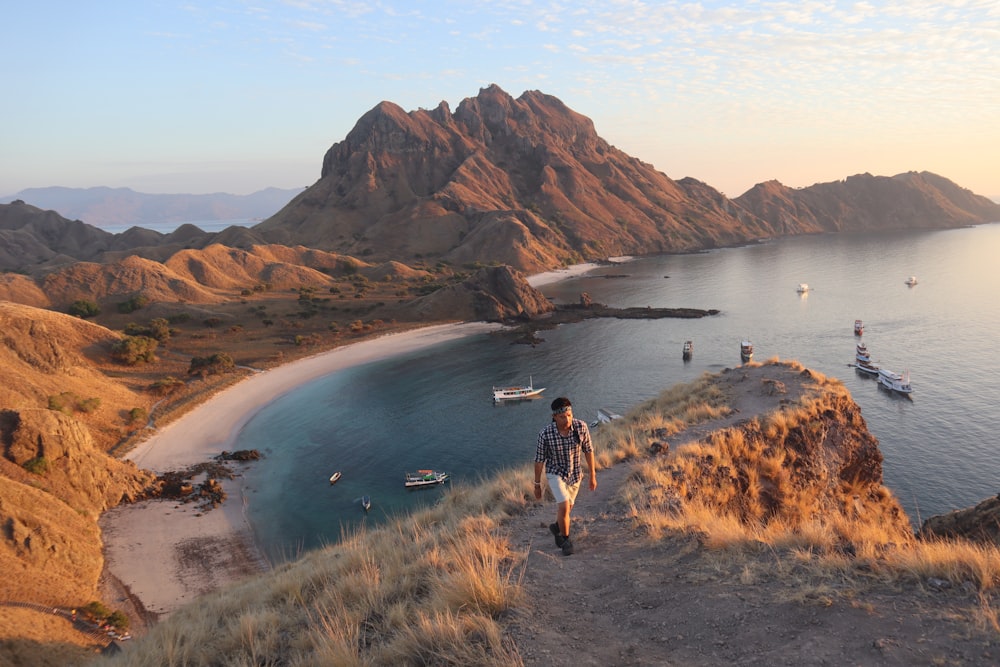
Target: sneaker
554, 529
567, 547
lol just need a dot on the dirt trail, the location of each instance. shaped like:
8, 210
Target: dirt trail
623, 599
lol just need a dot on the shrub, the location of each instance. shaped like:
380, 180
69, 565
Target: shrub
96, 610
167, 385
118, 619
137, 415
84, 309
64, 402
133, 350
88, 405
37, 466
157, 328
133, 304
220, 362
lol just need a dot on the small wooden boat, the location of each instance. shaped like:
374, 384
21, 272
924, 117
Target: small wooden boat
423, 478
366, 502
859, 327
334, 477
911, 281
688, 350
802, 288
516, 393
746, 350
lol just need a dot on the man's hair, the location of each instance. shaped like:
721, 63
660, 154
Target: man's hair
561, 402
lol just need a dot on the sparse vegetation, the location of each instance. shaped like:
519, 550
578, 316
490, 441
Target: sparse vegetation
218, 363
84, 309
133, 304
133, 350
68, 402
37, 466
137, 416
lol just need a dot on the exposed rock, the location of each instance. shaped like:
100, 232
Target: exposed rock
493, 294
980, 523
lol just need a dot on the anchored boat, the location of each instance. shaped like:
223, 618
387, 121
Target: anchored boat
895, 381
422, 478
517, 392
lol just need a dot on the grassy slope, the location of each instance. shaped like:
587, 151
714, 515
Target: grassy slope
439, 587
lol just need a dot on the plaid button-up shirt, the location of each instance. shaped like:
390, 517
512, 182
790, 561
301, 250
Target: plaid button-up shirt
561, 454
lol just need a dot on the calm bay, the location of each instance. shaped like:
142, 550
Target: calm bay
433, 408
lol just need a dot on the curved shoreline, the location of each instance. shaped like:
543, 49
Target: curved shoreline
165, 553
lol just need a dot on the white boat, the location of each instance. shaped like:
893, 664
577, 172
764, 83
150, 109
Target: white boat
867, 367
802, 288
861, 353
334, 477
366, 502
518, 392
688, 351
895, 381
605, 416
746, 350
423, 478
859, 328
911, 281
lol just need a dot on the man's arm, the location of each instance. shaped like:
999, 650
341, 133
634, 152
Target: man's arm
539, 471
592, 468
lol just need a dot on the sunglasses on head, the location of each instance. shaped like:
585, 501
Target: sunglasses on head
564, 409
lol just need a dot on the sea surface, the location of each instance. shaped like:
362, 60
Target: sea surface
167, 227
433, 408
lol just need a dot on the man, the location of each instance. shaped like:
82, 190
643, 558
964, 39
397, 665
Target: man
558, 456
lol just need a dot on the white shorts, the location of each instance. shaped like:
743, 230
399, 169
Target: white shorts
562, 491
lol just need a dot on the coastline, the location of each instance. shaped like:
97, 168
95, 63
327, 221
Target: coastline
163, 553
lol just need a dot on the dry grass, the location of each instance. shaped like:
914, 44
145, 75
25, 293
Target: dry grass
426, 589
435, 587
736, 489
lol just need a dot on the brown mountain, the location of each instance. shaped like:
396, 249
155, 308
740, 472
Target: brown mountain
869, 203
528, 182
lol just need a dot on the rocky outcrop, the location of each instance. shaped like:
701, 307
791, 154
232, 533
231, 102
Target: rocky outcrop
493, 294
979, 524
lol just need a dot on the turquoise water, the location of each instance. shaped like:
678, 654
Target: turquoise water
433, 408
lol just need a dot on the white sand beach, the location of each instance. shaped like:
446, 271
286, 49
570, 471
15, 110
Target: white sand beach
168, 553
550, 277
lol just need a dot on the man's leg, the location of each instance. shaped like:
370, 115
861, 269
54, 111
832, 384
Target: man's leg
562, 517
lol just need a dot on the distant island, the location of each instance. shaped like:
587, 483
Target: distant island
105, 207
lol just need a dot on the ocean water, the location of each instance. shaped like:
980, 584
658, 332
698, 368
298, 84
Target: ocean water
167, 227
433, 408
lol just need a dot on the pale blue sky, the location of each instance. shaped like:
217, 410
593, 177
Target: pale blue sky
231, 96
